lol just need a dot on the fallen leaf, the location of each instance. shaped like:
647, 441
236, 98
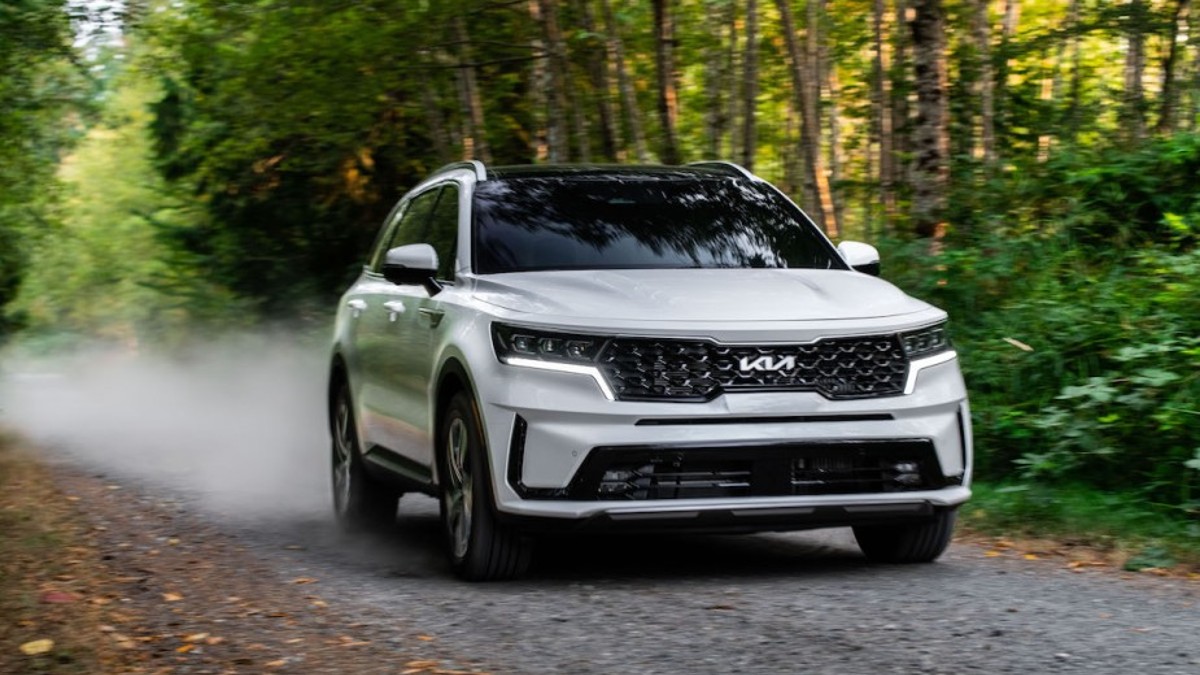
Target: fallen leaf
185, 649
992, 554
57, 597
214, 641
196, 637
426, 638
422, 664
294, 641
36, 647
172, 542
319, 603
1030, 556
278, 663
172, 597
1018, 344
303, 580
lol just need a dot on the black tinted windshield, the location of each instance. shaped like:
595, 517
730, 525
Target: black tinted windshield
571, 223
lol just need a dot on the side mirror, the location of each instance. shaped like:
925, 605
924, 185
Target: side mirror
862, 257
412, 264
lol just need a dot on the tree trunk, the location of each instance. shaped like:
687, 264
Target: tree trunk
610, 133
1074, 97
668, 98
1133, 115
901, 122
1170, 91
932, 134
1012, 16
1194, 42
559, 107
810, 131
616, 51
475, 145
985, 85
829, 84
433, 118
750, 85
881, 94
539, 85
716, 78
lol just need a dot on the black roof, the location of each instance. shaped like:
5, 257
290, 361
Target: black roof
645, 171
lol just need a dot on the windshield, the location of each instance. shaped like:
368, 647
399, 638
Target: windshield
573, 223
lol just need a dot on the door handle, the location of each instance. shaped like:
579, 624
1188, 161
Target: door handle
434, 315
394, 308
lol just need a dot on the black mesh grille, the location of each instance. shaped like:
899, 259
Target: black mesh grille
696, 370
853, 467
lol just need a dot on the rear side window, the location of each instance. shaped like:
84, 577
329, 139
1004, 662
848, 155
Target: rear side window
574, 223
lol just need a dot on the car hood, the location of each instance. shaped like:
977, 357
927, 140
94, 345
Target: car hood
697, 295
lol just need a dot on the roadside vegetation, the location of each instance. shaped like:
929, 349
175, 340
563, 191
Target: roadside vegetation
225, 163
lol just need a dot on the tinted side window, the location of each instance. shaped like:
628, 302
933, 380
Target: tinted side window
443, 231
413, 224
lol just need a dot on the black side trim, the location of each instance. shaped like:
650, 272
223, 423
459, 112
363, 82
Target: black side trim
394, 468
516, 463
778, 419
962, 440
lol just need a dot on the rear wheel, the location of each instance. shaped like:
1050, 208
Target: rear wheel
359, 501
913, 543
480, 548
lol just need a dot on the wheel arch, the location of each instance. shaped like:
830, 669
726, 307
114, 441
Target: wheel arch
453, 377
339, 374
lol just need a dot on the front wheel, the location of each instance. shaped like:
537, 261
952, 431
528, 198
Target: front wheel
359, 502
914, 543
480, 548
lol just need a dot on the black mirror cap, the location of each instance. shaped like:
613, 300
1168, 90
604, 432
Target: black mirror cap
869, 268
401, 275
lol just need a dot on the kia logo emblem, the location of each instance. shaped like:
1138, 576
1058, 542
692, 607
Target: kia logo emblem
766, 363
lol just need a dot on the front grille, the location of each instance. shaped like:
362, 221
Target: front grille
698, 370
798, 469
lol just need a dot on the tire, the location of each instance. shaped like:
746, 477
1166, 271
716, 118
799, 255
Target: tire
914, 543
479, 547
359, 501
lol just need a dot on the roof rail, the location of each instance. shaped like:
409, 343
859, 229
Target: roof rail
470, 164
727, 166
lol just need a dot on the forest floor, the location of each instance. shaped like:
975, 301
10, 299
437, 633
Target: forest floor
97, 579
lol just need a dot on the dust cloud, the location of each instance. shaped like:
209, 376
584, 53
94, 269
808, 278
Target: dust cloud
237, 425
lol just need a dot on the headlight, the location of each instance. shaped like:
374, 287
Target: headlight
926, 341
550, 350
520, 342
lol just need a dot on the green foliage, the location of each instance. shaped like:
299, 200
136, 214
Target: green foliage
1078, 323
105, 271
37, 85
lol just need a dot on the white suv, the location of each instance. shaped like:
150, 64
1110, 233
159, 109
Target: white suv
582, 348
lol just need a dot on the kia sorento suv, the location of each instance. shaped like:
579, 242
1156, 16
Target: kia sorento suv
638, 348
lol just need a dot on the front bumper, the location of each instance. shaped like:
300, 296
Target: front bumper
565, 418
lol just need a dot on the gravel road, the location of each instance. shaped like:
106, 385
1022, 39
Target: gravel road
239, 449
